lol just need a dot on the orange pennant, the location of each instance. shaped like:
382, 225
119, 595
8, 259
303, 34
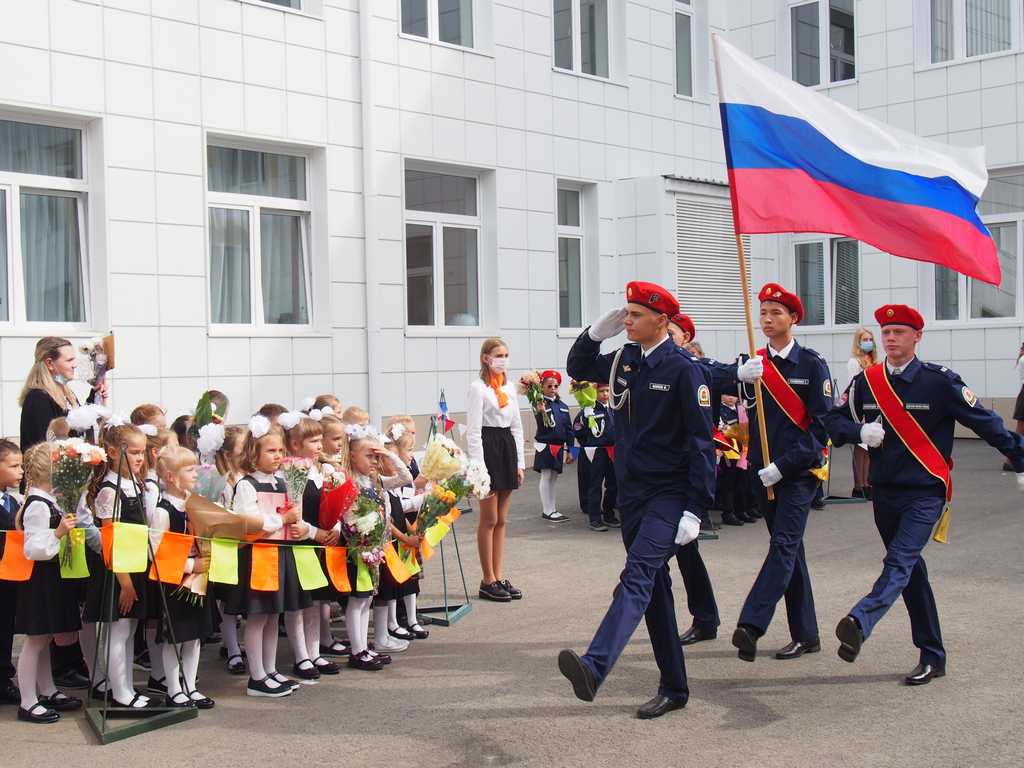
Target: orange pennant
107, 540
395, 565
264, 576
426, 551
337, 568
171, 557
15, 566
453, 515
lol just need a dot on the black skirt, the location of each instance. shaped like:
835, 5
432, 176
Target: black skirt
500, 457
326, 594
97, 593
544, 460
47, 604
189, 617
289, 596
1018, 407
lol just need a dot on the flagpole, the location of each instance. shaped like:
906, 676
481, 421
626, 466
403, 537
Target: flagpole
744, 287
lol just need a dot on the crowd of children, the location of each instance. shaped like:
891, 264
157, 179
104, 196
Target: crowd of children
150, 470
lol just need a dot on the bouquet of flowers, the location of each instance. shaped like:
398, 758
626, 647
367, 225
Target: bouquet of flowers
210, 483
529, 385
585, 394
339, 493
365, 531
99, 354
296, 472
474, 479
442, 459
478, 479
73, 463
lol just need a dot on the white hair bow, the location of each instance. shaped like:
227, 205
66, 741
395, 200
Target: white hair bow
148, 430
115, 420
397, 430
359, 432
211, 439
307, 404
259, 426
84, 417
289, 419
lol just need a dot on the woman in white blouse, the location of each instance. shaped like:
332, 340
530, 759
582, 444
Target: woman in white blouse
495, 437
862, 356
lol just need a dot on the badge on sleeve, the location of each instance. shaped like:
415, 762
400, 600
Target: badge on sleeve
704, 396
826, 387
969, 397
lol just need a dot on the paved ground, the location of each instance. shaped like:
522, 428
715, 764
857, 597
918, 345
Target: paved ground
486, 692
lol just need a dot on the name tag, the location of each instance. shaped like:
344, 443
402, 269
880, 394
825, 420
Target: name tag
917, 406
870, 406
621, 381
660, 387
799, 381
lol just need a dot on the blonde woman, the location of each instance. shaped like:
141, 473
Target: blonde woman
495, 437
862, 355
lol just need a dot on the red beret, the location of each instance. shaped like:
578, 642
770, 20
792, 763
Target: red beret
551, 375
685, 324
652, 296
775, 292
899, 314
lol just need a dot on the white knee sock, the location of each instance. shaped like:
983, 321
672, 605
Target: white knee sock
547, 490
172, 670
325, 624
156, 657
44, 675
380, 624
296, 635
270, 644
392, 614
119, 667
229, 632
254, 624
87, 639
411, 620
190, 667
28, 668
357, 622
311, 629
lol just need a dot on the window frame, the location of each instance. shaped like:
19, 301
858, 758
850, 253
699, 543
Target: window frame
824, 43
685, 8
14, 184
577, 44
434, 24
828, 244
438, 222
578, 233
254, 205
959, 22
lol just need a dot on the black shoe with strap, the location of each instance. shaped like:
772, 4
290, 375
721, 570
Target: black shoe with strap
38, 713
61, 702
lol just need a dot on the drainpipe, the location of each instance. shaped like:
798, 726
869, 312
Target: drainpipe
369, 207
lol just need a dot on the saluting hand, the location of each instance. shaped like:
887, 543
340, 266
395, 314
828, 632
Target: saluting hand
611, 323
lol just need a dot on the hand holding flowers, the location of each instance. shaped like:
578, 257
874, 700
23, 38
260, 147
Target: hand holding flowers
529, 385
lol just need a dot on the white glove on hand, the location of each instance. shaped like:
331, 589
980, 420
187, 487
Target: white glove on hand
1020, 481
689, 528
609, 324
770, 475
751, 370
872, 434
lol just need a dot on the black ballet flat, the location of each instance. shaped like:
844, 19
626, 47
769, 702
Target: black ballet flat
61, 702
204, 703
418, 632
33, 715
150, 703
325, 667
402, 634
173, 701
365, 662
237, 665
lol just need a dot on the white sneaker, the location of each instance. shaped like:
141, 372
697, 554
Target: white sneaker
390, 645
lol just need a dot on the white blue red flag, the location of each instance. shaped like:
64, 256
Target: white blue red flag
801, 162
442, 415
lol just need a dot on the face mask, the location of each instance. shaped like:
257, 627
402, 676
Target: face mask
60, 379
867, 346
498, 364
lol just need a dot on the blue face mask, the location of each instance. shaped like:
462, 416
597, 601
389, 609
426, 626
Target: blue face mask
60, 379
867, 346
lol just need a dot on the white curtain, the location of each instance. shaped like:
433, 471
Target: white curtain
461, 300
942, 30
455, 22
230, 292
52, 258
283, 269
256, 173
845, 282
414, 17
810, 282
570, 288
988, 26
5, 305
45, 150
594, 37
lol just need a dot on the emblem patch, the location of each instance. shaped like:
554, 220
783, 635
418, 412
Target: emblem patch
826, 387
622, 382
704, 396
969, 397
660, 387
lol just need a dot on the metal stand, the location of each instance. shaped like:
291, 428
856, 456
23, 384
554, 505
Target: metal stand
448, 613
148, 718
829, 498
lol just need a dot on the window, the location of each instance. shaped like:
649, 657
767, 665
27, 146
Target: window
684, 48
42, 224
454, 20
580, 30
570, 258
961, 29
297, 4
809, 37
840, 273
442, 266
962, 298
259, 238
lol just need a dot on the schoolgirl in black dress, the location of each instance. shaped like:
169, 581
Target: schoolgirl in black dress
228, 462
335, 455
10, 479
46, 604
552, 444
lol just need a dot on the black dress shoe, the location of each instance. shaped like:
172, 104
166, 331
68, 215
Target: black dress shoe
923, 674
746, 643
658, 706
494, 592
746, 517
513, 592
697, 634
38, 714
9, 693
612, 521
798, 648
418, 632
577, 673
71, 679
730, 519
850, 638
818, 504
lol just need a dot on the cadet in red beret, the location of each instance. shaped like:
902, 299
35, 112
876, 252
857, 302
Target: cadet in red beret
552, 442
899, 314
773, 292
682, 329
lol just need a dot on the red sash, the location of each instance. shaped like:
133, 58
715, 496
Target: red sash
910, 433
783, 394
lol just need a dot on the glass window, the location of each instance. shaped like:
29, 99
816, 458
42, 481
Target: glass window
286, 3
804, 32
283, 275
841, 46
440, 193
568, 207
810, 281
455, 22
988, 26
942, 30
230, 292
461, 302
246, 172
45, 150
5, 309
562, 25
594, 37
570, 288
998, 300
51, 251
947, 294
414, 18
845, 282
419, 274
684, 55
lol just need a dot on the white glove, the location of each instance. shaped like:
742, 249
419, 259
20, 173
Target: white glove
770, 475
751, 370
689, 528
609, 324
1020, 481
872, 434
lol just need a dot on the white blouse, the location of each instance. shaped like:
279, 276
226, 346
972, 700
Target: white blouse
245, 502
482, 411
40, 541
104, 504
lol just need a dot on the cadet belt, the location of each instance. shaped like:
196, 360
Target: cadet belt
913, 436
783, 394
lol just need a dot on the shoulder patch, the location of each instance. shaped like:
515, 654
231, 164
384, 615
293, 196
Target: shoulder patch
826, 387
969, 397
704, 396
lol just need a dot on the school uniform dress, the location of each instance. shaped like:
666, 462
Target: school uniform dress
550, 442
495, 434
311, 516
289, 595
46, 603
598, 451
8, 591
187, 617
98, 604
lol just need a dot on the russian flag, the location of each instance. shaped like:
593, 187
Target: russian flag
801, 162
